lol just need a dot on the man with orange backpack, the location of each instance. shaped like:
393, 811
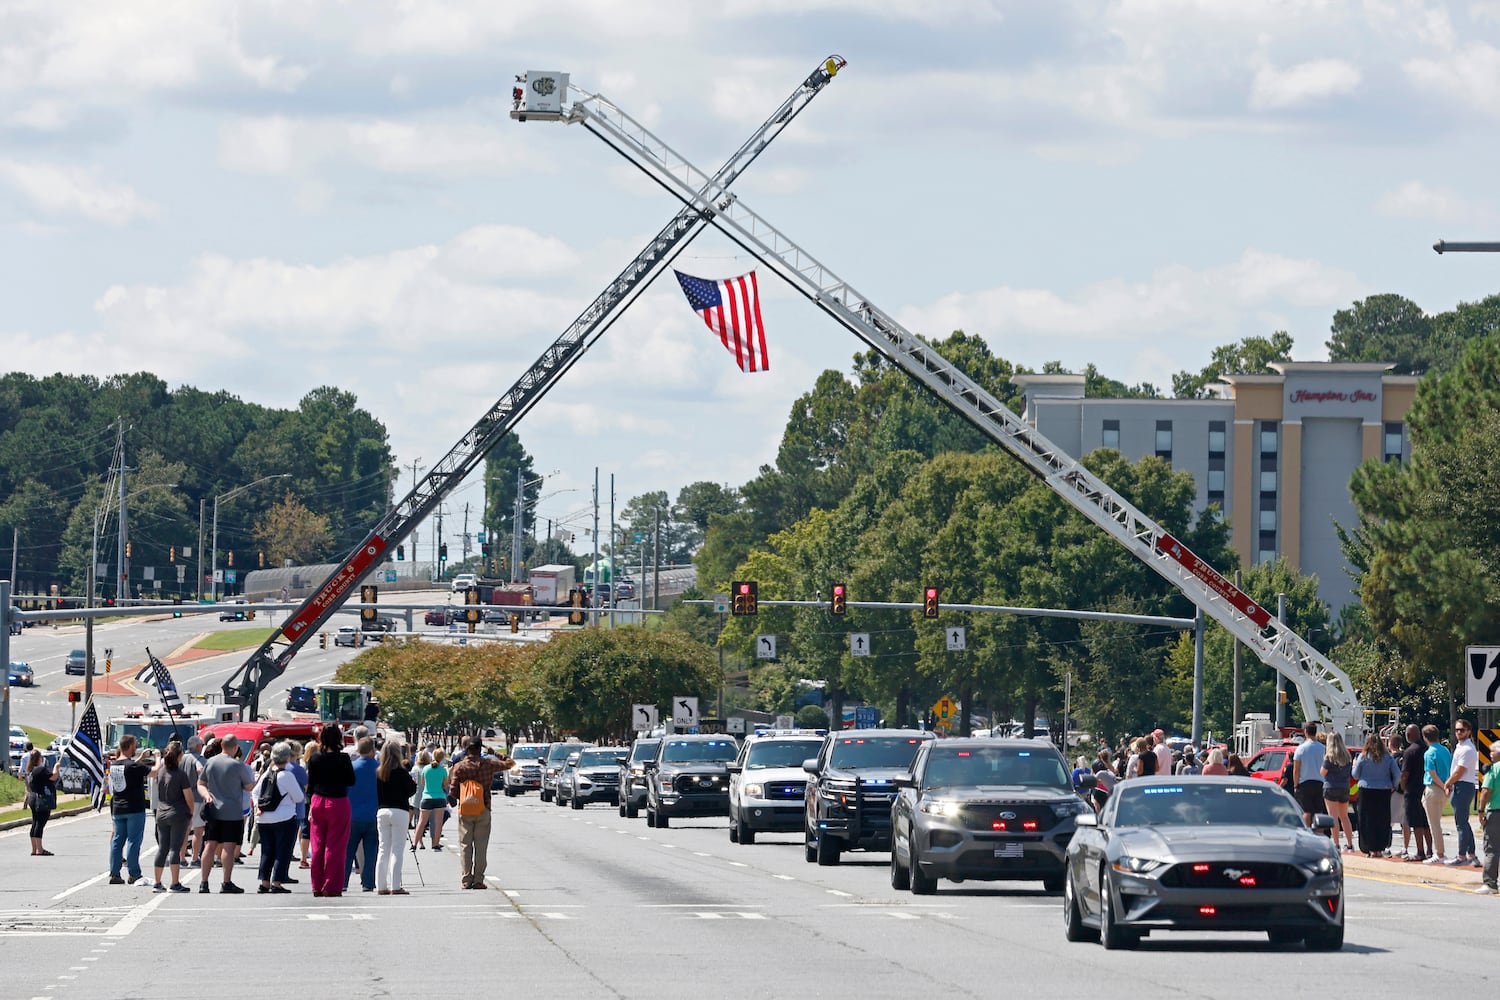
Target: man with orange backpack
470, 782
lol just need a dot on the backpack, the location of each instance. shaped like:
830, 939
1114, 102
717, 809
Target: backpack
470, 797
268, 796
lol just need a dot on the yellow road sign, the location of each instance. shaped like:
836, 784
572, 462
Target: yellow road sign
945, 709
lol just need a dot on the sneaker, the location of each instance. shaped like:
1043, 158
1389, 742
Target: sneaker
1455, 862
179, 887
1436, 859
158, 887
137, 880
1484, 890
116, 880
230, 888
205, 888
1475, 863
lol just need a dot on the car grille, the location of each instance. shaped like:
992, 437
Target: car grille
605, 777
1010, 817
1233, 875
786, 791
529, 771
700, 784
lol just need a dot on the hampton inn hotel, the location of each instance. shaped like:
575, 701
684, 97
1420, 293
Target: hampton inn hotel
1275, 452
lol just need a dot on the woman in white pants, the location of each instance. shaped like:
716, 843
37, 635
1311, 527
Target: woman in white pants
394, 788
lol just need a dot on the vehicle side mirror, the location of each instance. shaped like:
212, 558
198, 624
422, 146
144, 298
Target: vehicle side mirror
734, 768
649, 765
622, 760
904, 781
810, 765
1086, 819
1323, 821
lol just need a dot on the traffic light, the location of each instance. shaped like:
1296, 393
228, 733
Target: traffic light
322, 640
502, 564
172, 554
443, 552
261, 559
484, 549
930, 602
836, 605
744, 593
515, 624
75, 696
127, 550
231, 557
176, 610
368, 594
400, 553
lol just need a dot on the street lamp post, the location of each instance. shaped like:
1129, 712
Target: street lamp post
213, 566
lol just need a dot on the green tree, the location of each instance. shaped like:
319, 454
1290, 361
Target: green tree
500, 465
289, 530
1389, 328
1251, 356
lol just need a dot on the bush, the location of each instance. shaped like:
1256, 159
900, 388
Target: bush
811, 717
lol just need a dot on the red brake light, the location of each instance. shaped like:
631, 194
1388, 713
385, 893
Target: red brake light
1200, 869
963, 753
1207, 911
1029, 824
998, 824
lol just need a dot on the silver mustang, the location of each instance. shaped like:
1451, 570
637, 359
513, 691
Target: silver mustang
1203, 854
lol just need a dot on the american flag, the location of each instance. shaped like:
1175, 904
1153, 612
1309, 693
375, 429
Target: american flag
86, 750
162, 678
731, 309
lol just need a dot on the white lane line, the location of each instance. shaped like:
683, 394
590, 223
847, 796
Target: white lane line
80, 886
642, 838
738, 864
133, 919
837, 892
784, 878
670, 847
899, 915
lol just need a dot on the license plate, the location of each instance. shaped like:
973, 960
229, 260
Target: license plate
1011, 850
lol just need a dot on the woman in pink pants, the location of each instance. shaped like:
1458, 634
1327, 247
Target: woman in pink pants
330, 774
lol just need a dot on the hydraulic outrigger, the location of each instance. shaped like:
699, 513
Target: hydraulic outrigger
270, 660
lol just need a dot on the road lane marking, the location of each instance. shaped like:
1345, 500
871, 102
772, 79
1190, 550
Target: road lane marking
80, 886
133, 919
837, 892
738, 864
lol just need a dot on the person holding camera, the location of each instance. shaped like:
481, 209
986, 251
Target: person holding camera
127, 788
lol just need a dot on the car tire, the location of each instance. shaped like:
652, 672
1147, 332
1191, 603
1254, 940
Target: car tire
900, 875
545, 796
921, 885
1053, 884
1074, 928
622, 810
734, 832
573, 803
1111, 935
1284, 935
650, 817
809, 849
747, 835
662, 822
827, 851
1325, 939
632, 811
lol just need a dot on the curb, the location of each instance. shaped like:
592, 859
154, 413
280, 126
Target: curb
71, 810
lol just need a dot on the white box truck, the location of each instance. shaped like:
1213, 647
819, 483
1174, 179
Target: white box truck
553, 585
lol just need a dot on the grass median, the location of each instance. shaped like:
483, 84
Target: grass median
236, 638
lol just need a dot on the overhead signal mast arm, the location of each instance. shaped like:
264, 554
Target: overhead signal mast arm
270, 660
1325, 690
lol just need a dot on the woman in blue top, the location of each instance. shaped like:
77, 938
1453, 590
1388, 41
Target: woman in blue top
433, 786
1377, 773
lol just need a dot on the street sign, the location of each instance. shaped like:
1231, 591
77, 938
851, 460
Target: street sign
218, 576
642, 717
957, 639
721, 604
944, 709
784, 722
684, 711
735, 724
859, 643
866, 717
390, 576
1482, 676
765, 647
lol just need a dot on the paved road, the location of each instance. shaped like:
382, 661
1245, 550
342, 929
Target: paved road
585, 904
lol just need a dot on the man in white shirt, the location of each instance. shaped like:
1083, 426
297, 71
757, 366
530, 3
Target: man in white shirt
1163, 752
1461, 784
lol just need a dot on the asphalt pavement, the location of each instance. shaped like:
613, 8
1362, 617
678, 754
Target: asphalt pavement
587, 904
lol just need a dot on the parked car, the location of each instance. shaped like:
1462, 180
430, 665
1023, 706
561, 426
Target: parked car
1205, 854
595, 777
527, 774
78, 662
347, 635
767, 785
633, 775
983, 809
689, 776
20, 674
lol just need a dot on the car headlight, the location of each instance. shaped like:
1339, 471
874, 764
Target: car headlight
584, 782
1070, 807
754, 790
939, 807
1136, 866
1325, 866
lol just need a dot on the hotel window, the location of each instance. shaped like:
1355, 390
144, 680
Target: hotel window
1268, 436
1111, 438
1268, 522
1216, 445
1392, 450
1268, 482
1266, 549
1164, 439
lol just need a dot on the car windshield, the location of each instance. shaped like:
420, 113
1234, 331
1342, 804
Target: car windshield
526, 753
777, 753
599, 758
643, 750
1199, 803
996, 766
559, 752
678, 751
877, 751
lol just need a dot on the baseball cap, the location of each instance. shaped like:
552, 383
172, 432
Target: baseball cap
1157, 732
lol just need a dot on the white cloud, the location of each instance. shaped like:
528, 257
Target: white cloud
1415, 200
1274, 90
1469, 75
279, 145
75, 191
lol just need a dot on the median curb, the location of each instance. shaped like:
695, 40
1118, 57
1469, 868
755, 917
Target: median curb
73, 809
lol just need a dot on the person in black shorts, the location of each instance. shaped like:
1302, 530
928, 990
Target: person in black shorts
1411, 785
223, 784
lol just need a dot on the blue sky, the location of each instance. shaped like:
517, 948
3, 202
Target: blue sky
266, 197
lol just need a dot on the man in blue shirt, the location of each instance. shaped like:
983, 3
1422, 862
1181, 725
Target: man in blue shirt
1436, 763
1307, 773
363, 807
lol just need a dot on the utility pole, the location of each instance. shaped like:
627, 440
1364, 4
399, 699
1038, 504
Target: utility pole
611, 550
517, 526
656, 567
198, 587
466, 531
437, 539
122, 585
594, 596
416, 466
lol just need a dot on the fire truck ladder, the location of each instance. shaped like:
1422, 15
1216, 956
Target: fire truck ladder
1324, 689
270, 660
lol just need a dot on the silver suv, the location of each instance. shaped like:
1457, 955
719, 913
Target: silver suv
552, 765
526, 776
